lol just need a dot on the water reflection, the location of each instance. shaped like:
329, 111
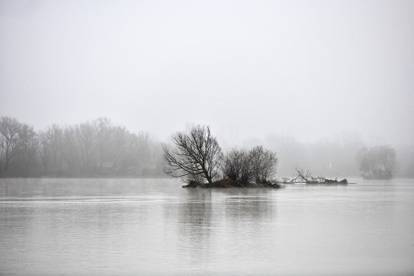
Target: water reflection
157, 228
195, 225
211, 223
249, 206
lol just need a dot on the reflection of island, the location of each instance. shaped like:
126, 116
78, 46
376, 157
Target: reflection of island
195, 224
252, 207
211, 222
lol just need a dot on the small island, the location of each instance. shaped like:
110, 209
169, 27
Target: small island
197, 158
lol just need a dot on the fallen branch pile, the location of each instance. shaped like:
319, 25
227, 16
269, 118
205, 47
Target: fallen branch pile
307, 178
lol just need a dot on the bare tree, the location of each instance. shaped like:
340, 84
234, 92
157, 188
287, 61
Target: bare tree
26, 150
18, 147
377, 162
9, 131
51, 141
196, 155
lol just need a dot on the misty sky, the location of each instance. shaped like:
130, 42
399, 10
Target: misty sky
307, 69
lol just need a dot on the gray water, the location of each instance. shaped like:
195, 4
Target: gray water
152, 226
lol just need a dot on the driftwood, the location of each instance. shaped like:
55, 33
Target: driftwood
307, 178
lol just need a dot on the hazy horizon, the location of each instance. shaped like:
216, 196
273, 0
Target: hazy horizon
307, 168
309, 70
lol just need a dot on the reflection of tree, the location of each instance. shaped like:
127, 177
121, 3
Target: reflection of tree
212, 229
250, 206
195, 224
249, 223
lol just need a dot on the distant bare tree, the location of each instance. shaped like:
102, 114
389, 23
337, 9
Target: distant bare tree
9, 131
18, 148
196, 155
27, 148
377, 162
51, 153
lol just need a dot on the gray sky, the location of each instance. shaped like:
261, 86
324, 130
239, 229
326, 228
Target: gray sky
307, 69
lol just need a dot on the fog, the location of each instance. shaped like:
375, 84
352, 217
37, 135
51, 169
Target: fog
206, 137
306, 70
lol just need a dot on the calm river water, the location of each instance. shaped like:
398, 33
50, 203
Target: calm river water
153, 226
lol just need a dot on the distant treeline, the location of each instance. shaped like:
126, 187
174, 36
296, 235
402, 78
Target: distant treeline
345, 156
102, 149
90, 149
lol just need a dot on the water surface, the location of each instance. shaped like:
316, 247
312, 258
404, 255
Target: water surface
152, 226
